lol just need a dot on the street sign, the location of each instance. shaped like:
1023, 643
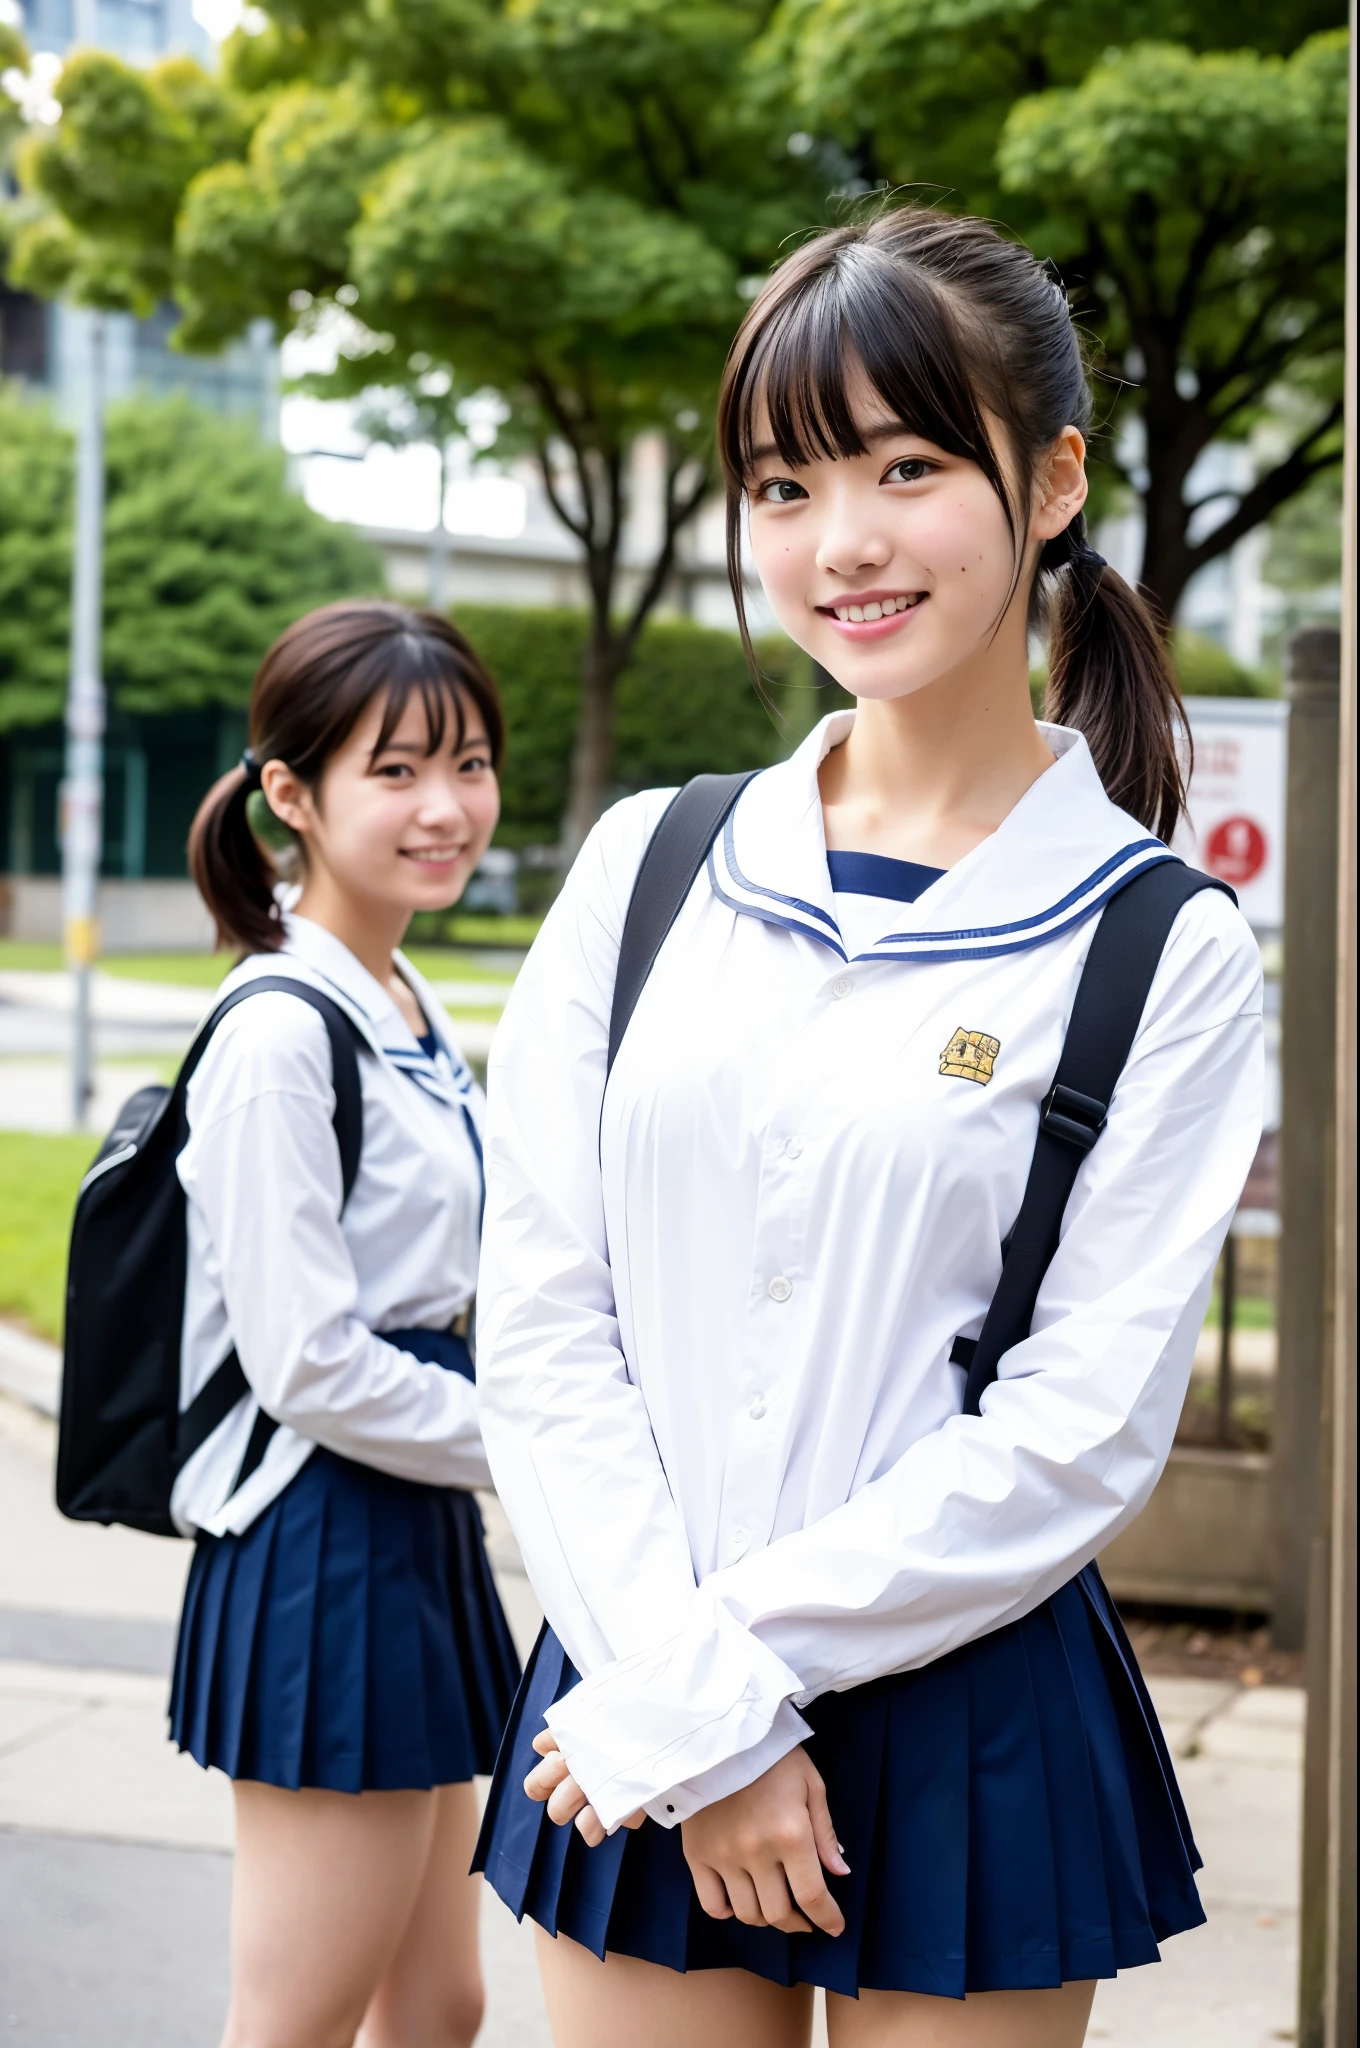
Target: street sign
1235, 827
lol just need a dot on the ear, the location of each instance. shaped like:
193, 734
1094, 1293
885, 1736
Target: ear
1060, 486
287, 796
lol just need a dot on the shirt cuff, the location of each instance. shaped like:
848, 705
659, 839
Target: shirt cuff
787, 1730
668, 1729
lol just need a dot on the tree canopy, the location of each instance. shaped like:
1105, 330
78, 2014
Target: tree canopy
555, 201
1183, 166
573, 204
207, 557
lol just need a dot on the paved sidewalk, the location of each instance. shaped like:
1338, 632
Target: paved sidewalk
135, 1020
115, 1853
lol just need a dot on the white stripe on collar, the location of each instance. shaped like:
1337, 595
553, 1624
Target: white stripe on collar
1058, 856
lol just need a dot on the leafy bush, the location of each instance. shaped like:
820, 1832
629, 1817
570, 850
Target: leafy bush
208, 555
1208, 670
685, 704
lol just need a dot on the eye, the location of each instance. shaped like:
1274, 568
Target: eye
910, 469
395, 771
778, 490
474, 764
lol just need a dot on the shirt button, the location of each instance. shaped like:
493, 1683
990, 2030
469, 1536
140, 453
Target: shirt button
842, 986
737, 1541
779, 1288
793, 1148
756, 1411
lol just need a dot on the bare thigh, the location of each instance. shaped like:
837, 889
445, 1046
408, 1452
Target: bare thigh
324, 1887
985, 2019
620, 2002
431, 1993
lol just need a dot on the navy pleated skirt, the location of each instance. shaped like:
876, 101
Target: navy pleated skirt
1009, 1814
352, 1638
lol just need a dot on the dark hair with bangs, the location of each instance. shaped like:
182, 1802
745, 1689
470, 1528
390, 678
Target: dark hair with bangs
312, 687
950, 322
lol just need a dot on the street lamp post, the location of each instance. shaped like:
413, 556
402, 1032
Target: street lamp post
82, 794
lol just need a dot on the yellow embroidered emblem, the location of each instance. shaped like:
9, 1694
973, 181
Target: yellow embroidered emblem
969, 1056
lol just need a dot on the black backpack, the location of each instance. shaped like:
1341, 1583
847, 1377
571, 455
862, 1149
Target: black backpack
1106, 1012
122, 1438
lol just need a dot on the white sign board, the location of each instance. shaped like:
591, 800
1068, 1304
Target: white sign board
1235, 828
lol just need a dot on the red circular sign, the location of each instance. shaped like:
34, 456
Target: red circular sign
1235, 850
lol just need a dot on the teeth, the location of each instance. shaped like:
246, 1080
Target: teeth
882, 608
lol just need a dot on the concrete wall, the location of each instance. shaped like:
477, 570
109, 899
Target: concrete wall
135, 917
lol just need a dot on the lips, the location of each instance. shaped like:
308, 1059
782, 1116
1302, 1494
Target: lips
433, 856
872, 614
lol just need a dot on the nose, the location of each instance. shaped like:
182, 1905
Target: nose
441, 803
853, 538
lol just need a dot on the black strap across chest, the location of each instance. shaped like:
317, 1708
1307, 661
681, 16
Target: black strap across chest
1106, 1012
215, 1400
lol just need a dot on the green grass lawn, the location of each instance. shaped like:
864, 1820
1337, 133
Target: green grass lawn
1252, 1312
205, 970
39, 1176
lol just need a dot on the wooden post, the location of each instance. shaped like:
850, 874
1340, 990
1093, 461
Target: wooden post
1307, 1111
1327, 1977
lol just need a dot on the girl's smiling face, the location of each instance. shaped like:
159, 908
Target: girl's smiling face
400, 824
896, 567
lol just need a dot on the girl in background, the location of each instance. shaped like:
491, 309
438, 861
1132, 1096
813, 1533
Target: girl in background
833, 1692
343, 1656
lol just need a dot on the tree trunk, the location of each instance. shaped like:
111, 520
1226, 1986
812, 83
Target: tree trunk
1168, 561
592, 754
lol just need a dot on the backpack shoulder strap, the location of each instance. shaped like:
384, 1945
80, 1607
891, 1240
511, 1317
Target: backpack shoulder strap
675, 853
215, 1400
345, 1043
1106, 1012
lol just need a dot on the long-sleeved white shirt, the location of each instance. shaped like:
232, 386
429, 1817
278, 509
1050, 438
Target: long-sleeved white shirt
716, 1308
302, 1291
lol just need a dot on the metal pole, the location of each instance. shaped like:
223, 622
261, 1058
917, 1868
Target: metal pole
440, 547
82, 794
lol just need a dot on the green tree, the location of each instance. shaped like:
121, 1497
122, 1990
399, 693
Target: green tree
1183, 164
557, 202
685, 704
207, 557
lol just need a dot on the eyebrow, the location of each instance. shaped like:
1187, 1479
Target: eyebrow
891, 430
471, 739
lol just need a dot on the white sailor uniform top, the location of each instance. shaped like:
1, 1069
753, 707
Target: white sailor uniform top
303, 1291
716, 1306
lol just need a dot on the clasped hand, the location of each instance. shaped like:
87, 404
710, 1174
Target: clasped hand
756, 1856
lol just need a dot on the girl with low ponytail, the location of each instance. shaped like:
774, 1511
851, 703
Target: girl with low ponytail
833, 1694
342, 1655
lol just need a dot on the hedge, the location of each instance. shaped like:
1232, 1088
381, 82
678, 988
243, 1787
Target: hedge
685, 704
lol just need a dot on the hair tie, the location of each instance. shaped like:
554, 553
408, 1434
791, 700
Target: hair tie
251, 767
1091, 557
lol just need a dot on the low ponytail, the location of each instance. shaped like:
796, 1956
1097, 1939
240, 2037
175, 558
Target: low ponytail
1109, 679
231, 869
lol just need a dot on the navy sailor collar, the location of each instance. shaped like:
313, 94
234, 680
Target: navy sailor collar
1054, 860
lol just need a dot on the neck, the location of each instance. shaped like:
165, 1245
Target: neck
928, 776
371, 930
